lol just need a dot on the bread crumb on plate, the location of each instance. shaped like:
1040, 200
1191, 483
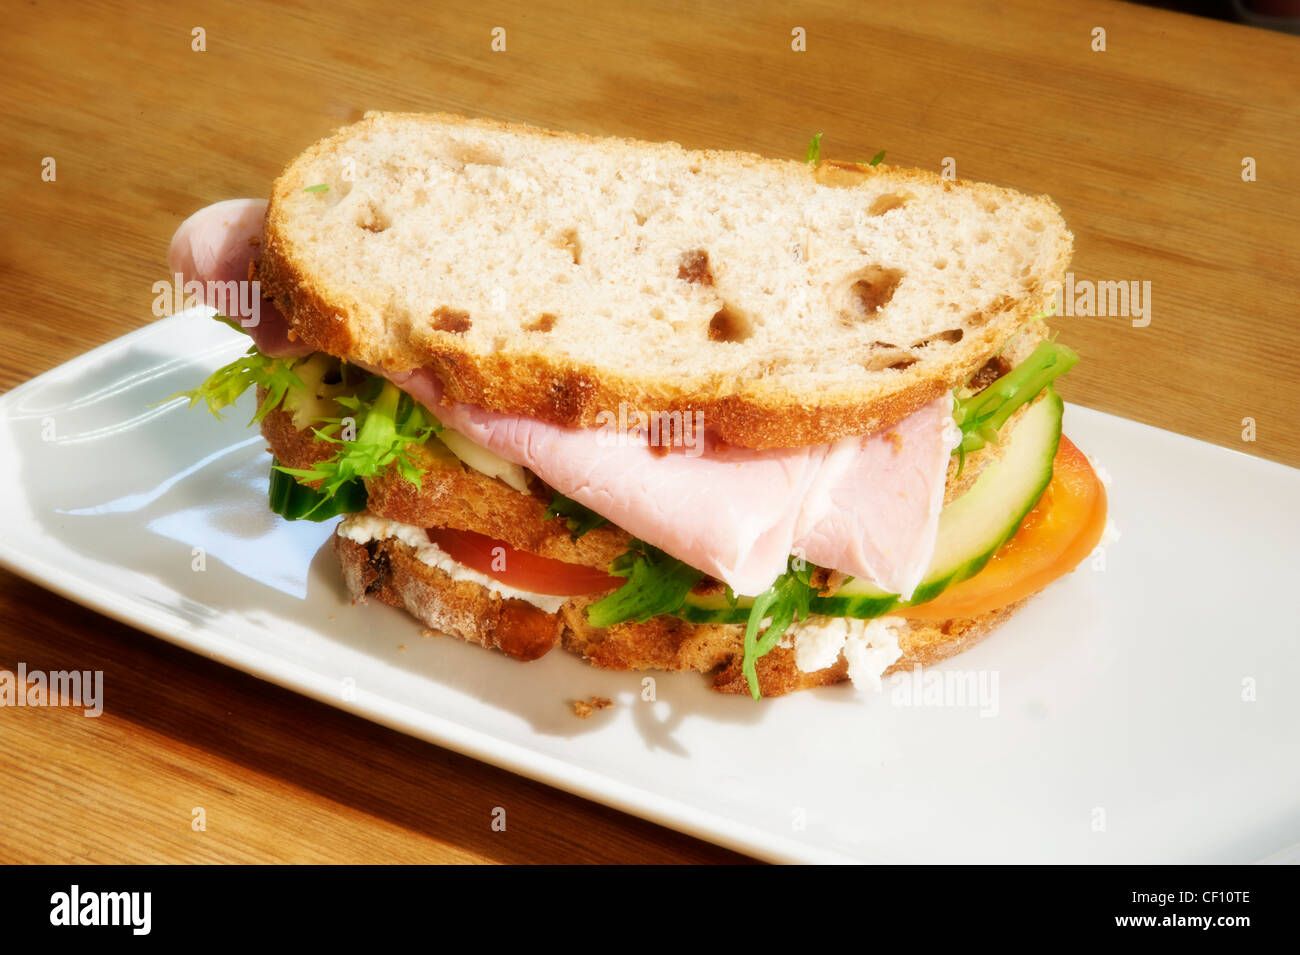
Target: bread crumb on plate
584, 708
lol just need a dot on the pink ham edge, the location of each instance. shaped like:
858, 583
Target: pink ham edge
216, 244
874, 512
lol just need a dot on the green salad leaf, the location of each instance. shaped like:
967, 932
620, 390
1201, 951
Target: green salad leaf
229, 322
982, 415
814, 153
383, 424
656, 584
577, 518
227, 383
386, 427
785, 602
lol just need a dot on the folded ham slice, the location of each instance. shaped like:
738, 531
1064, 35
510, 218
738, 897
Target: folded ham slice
874, 510
867, 505
216, 244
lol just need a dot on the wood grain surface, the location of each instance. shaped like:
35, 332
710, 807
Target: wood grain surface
1142, 145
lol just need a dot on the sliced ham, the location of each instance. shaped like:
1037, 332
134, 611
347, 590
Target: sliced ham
874, 510
867, 506
216, 244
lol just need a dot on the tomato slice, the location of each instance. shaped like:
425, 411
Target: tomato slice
1062, 529
520, 569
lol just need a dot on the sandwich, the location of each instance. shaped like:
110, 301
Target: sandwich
783, 423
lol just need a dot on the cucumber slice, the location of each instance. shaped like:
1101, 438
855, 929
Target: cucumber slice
714, 608
971, 528
297, 502
975, 525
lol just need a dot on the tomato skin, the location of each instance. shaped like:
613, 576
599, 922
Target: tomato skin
520, 569
1055, 537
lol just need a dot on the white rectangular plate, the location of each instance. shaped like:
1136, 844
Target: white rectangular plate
1145, 712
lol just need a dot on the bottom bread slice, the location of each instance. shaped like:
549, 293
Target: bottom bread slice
389, 571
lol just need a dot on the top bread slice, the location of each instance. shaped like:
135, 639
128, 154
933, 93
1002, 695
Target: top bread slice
558, 275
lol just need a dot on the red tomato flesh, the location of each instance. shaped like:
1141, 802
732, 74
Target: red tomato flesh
520, 569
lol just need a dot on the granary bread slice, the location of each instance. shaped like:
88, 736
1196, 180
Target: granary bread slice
388, 570
556, 275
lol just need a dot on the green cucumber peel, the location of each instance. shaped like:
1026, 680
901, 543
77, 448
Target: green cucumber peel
297, 502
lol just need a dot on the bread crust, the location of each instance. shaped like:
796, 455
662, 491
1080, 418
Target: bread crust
746, 411
387, 571
923, 642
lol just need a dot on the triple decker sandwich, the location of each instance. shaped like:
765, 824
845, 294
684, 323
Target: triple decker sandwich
782, 423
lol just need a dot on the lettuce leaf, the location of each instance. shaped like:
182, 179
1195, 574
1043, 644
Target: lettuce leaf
386, 427
813, 154
387, 423
577, 518
785, 602
225, 385
656, 584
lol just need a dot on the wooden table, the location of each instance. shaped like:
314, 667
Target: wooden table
1142, 145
